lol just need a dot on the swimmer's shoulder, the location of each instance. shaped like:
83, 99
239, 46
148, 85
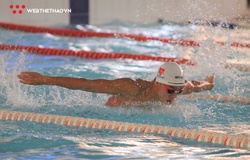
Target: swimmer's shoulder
142, 82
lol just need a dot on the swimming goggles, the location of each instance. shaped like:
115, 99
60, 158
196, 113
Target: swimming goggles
171, 90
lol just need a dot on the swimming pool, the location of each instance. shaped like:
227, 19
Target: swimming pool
27, 140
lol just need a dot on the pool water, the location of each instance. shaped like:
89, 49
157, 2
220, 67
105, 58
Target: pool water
27, 140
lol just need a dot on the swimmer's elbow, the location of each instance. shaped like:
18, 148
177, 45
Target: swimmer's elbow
203, 88
210, 86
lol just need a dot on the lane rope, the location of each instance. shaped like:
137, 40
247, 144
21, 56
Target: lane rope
114, 55
220, 98
230, 140
78, 33
93, 55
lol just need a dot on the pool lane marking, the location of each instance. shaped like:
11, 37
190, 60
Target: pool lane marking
93, 55
238, 141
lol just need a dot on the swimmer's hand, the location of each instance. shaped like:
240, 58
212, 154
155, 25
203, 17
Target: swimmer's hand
206, 84
198, 86
210, 82
31, 78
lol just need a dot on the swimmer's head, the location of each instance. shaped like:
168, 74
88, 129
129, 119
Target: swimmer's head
170, 73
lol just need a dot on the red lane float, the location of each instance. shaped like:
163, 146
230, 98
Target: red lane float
77, 33
93, 55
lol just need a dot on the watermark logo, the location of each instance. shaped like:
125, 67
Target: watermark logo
48, 10
20, 8
17, 8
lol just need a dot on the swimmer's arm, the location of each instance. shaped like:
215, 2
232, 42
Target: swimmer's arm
119, 86
123, 86
198, 86
190, 87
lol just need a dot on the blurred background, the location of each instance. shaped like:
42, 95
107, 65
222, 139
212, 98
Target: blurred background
137, 11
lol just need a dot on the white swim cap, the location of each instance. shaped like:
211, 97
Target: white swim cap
170, 73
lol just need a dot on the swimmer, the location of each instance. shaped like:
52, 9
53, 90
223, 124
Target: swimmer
168, 83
